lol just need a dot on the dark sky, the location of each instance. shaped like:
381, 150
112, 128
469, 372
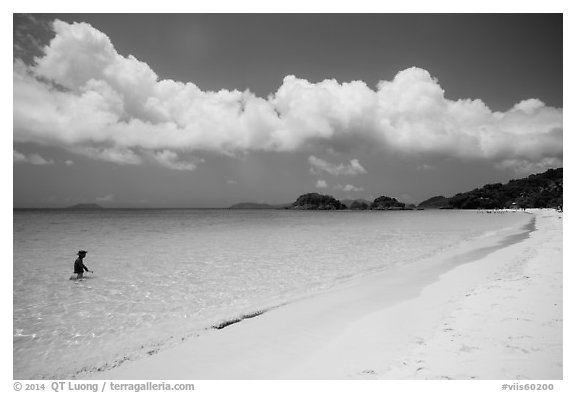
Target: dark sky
412, 144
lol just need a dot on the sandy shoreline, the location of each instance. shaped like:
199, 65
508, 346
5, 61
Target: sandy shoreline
498, 316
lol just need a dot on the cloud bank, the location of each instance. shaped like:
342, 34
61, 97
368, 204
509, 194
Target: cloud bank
81, 94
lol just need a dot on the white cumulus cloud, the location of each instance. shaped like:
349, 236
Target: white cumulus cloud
105, 198
319, 165
321, 184
86, 97
34, 159
171, 160
349, 188
18, 157
118, 155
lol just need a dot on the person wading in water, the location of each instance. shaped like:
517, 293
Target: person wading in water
79, 266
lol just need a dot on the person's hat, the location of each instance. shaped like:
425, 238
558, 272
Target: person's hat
82, 252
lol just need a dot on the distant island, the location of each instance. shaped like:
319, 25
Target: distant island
315, 201
357, 204
360, 204
437, 202
386, 203
85, 206
543, 190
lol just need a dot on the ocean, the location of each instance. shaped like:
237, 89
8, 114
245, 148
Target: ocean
165, 276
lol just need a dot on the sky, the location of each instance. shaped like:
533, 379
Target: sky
208, 110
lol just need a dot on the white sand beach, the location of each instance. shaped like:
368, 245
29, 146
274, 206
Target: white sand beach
497, 316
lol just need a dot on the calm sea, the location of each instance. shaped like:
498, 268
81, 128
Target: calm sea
163, 276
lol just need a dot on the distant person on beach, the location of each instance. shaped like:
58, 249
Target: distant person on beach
79, 266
